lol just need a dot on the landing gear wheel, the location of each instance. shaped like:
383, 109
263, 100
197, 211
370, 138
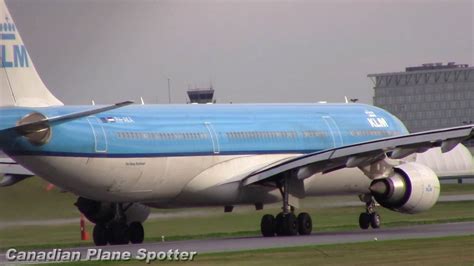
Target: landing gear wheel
305, 225
364, 220
136, 233
267, 225
118, 233
100, 235
375, 220
279, 220
290, 225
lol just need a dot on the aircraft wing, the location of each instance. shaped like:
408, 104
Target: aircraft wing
363, 154
12, 172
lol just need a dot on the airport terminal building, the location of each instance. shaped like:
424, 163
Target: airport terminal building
429, 96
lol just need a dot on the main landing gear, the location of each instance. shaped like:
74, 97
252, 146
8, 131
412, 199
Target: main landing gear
117, 231
286, 223
369, 218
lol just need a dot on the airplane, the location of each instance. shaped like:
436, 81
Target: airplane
123, 159
12, 172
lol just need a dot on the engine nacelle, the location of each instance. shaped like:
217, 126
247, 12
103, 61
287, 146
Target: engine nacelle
104, 212
413, 188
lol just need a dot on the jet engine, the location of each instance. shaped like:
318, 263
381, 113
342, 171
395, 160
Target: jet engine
103, 212
413, 188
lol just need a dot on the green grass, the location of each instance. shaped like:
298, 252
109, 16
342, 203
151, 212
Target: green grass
437, 251
457, 189
29, 200
231, 225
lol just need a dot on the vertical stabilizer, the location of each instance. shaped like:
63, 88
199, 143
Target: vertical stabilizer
20, 84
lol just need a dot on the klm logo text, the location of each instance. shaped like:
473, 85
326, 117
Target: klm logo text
13, 56
377, 122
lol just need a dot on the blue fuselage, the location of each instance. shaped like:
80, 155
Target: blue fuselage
189, 130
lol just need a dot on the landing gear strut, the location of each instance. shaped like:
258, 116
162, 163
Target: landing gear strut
369, 218
117, 231
286, 223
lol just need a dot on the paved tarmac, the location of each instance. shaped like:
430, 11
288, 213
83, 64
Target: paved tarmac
250, 243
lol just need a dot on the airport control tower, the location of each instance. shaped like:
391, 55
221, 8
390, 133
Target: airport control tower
201, 95
429, 96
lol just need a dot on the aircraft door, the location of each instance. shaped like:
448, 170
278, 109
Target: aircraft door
214, 137
334, 130
100, 138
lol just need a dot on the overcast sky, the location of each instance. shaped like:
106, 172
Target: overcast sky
252, 51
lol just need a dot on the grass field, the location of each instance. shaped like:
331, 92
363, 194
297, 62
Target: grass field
438, 251
28, 200
229, 224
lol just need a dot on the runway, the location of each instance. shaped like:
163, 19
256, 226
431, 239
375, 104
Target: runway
250, 243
